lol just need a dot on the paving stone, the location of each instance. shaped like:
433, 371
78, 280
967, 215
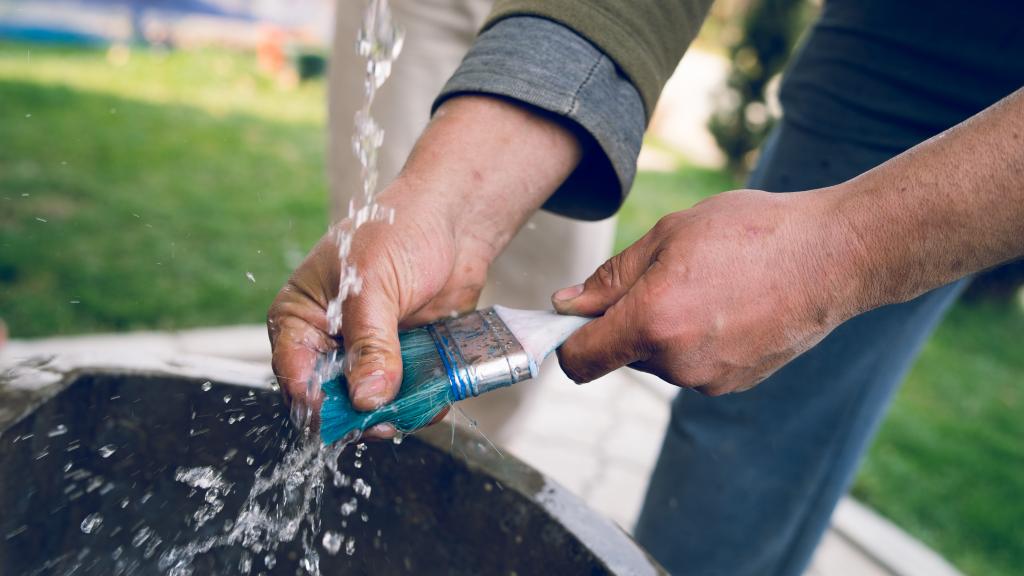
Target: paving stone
565, 463
617, 491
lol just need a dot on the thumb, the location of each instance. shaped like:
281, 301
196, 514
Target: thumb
605, 344
607, 285
373, 357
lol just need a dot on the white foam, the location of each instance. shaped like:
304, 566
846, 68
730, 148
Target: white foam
540, 332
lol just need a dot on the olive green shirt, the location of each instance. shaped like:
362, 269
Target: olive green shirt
645, 38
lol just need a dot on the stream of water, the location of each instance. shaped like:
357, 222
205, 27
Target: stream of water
284, 502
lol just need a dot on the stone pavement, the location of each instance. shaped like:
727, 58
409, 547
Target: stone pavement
599, 441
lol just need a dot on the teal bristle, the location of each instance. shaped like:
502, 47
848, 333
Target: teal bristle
425, 392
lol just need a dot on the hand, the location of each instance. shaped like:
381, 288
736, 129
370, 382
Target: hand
406, 270
717, 297
481, 167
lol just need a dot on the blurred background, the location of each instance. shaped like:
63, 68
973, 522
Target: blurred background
162, 168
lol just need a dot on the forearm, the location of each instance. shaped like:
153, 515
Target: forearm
949, 207
486, 164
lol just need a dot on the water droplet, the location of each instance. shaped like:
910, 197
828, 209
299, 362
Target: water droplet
361, 488
398, 438
349, 507
364, 517
250, 277
227, 398
92, 523
332, 542
60, 430
141, 536
270, 560
249, 460
350, 546
207, 386
108, 450
358, 463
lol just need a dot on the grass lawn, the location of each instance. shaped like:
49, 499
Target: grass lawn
140, 196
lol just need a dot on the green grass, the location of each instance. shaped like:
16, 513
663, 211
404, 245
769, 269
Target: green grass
162, 182
140, 196
948, 464
658, 193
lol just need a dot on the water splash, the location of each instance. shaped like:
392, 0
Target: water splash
284, 501
332, 542
379, 42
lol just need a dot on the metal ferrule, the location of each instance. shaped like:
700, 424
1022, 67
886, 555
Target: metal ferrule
479, 353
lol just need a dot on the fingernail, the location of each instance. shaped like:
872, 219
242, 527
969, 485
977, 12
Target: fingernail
568, 293
384, 431
370, 390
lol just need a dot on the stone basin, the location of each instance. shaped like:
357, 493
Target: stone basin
443, 502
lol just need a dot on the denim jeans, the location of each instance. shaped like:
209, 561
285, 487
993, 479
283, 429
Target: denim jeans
746, 483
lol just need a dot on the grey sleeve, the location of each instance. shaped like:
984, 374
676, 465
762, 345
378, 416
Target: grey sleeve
548, 66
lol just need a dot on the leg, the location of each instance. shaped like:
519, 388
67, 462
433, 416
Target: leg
746, 483
437, 35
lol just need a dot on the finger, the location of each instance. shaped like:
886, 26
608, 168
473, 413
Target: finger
373, 356
608, 284
296, 346
606, 343
382, 431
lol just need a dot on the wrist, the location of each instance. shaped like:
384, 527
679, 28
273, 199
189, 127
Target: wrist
483, 165
853, 271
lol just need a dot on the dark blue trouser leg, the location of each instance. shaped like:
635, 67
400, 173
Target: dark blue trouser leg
746, 483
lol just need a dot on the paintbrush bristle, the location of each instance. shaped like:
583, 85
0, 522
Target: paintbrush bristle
425, 392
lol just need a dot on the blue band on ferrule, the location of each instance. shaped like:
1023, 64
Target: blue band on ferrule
458, 386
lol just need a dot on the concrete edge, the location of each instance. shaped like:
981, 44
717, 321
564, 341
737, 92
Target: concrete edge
887, 544
242, 342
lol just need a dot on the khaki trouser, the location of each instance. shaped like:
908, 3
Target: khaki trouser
549, 253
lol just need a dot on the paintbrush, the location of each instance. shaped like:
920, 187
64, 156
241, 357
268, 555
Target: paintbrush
451, 360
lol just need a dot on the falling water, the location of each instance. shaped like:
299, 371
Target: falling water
380, 42
285, 501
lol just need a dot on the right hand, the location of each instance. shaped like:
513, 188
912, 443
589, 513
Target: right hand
482, 166
407, 280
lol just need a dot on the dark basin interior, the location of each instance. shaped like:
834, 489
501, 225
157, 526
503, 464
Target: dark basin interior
441, 503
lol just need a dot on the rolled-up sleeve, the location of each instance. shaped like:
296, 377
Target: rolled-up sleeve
546, 65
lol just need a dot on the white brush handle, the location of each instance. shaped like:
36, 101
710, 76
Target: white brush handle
539, 332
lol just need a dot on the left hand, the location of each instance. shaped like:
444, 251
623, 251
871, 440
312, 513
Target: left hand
717, 297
